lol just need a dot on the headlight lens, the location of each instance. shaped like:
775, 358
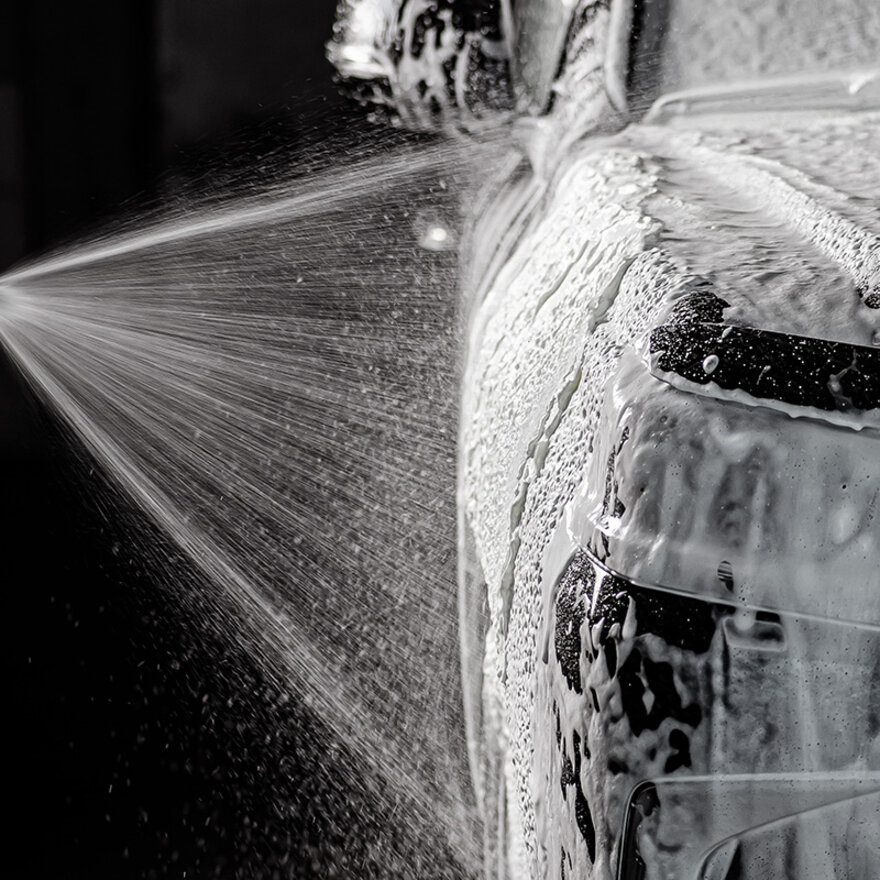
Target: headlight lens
713, 739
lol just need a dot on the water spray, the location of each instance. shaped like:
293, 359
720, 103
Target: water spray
605, 422
266, 380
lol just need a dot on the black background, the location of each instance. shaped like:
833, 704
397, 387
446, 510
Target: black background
117, 764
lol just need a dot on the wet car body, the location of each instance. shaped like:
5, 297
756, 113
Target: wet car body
670, 434
680, 571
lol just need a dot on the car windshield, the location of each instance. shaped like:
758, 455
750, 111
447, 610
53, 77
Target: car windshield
722, 41
678, 45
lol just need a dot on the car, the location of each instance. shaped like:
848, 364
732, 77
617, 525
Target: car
669, 447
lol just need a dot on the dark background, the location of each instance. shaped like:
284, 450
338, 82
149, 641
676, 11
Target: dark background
118, 765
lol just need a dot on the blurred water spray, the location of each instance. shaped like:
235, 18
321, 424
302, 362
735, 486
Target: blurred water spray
273, 380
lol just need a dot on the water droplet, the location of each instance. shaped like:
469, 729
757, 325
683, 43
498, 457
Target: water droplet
435, 238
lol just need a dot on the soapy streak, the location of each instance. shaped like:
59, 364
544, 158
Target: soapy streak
537, 455
795, 200
595, 257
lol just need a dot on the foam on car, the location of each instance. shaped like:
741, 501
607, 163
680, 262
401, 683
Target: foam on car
630, 225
